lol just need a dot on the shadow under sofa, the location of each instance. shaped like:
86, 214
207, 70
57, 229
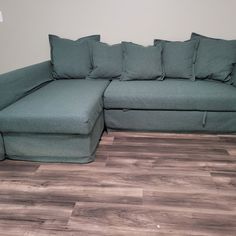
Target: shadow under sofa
42, 119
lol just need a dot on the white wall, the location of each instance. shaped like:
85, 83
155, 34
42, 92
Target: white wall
23, 34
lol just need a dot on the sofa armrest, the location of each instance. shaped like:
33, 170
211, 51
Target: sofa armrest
18, 83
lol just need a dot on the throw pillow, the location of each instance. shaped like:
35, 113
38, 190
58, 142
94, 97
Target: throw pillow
71, 59
179, 58
107, 60
142, 63
215, 58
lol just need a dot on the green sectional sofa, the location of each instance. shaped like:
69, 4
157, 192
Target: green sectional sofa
56, 111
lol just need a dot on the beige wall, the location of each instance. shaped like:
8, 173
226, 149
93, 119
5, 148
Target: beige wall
23, 34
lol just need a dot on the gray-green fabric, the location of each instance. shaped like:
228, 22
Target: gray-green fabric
171, 121
18, 83
63, 106
215, 58
170, 94
234, 76
141, 63
69, 58
179, 58
2, 150
107, 60
54, 147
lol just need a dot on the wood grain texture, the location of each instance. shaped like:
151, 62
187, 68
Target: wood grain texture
143, 184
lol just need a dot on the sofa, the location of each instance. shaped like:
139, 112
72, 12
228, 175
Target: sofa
56, 111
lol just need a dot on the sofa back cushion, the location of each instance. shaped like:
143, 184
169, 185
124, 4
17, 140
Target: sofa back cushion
71, 59
142, 63
179, 58
215, 58
107, 60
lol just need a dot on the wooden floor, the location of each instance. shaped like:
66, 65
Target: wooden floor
140, 184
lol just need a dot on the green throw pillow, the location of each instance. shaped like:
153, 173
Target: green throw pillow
179, 58
107, 60
71, 59
215, 58
142, 63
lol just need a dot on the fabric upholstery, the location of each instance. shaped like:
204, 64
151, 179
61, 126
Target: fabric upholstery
141, 63
2, 150
107, 60
18, 83
215, 58
170, 94
171, 121
179, 58
63, 106
69, 58
234, 76
54, 147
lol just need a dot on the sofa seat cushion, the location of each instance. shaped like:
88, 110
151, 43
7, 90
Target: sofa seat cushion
170, 94
63, 106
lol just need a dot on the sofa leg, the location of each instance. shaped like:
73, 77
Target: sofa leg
105, 130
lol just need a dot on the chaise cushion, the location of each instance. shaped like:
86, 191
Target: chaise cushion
63, 106
170, 94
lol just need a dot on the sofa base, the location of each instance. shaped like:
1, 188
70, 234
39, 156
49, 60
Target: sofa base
2, 149
171, 121
80, 160
73, 148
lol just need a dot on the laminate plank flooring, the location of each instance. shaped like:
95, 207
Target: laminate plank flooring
141, 184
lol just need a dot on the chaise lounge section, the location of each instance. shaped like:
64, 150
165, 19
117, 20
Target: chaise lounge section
60, 122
